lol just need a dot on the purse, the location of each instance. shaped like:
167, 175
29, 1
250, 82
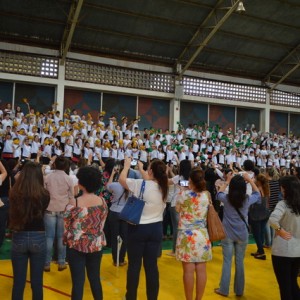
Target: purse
259, 211
215, 227
133, 209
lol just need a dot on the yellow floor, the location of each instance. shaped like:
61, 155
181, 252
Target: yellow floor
260, 280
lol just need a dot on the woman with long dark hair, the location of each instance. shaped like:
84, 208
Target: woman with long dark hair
185, 168
285, 220
144, 240
235, 217
259, 218
193, 247
28, 202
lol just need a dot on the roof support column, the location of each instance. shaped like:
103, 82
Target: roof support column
60, 90
175, 106
265, 116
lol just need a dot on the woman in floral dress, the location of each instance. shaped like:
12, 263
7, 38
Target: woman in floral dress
193, 246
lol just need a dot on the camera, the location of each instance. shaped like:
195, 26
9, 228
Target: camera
183, 182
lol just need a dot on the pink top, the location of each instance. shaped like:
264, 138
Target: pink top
84, 227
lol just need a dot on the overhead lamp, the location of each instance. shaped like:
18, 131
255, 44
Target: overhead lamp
240, 8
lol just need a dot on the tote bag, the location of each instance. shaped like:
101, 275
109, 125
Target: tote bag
215, 227
133, 208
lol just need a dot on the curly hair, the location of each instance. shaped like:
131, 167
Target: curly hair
90, 178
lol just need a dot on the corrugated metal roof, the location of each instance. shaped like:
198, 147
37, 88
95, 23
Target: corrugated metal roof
248, 44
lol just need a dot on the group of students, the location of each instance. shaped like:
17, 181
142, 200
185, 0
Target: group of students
38, 212
79, 137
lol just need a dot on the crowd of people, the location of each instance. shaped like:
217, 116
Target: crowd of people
65, 180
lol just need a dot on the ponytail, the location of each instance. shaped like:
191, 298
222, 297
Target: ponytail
160, 174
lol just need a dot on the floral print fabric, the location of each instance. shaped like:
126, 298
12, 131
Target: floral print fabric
193, 244
84, 227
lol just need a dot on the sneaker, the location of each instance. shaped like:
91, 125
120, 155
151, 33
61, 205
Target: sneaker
46, 268
62, 267
260, 256
254, 253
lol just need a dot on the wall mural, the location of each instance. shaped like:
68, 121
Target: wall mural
245, 118
278, 122
83, 101
222, 115
193, 113
119, 106
154, 113
6, 93
39, 97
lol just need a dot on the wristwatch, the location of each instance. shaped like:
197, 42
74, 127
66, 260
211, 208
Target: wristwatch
277, 229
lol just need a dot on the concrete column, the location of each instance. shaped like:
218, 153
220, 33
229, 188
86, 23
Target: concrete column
265, 115
60, 89
175, 105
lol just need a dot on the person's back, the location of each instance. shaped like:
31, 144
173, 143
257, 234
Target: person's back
29, 200
61, 189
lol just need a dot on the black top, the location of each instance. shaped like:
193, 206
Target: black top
37, 224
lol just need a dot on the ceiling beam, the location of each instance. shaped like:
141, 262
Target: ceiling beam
206, 25
288, 65
69, 29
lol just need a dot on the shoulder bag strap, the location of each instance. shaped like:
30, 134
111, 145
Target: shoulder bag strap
121, 197
243, 219
76, 199
142, 190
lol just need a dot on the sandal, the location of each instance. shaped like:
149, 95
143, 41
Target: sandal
217, 291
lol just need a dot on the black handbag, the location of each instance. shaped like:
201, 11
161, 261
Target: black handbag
133, 208
259, 211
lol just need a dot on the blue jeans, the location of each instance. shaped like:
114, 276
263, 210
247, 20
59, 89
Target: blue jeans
3, 218
28, 245
79, 262
238, 248
117, 227
175, 219
144, 242
54, 225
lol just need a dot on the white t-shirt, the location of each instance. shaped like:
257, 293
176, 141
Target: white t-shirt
154, 204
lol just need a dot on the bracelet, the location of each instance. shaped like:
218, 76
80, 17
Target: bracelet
278, 229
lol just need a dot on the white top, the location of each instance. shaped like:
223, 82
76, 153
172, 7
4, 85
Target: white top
154, 204
282, 216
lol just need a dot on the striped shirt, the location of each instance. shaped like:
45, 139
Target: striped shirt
274, 194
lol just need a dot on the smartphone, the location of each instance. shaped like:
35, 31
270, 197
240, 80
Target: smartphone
184, 183
133, 163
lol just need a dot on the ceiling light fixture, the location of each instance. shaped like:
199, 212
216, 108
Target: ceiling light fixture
240, 8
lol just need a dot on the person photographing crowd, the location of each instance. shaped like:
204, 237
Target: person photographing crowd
144, 240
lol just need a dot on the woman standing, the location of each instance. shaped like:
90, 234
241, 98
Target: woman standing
28, 202
118, 227
236, 205
144, 240
4, 202
193, 247
285, 219
259, 215
84, 236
